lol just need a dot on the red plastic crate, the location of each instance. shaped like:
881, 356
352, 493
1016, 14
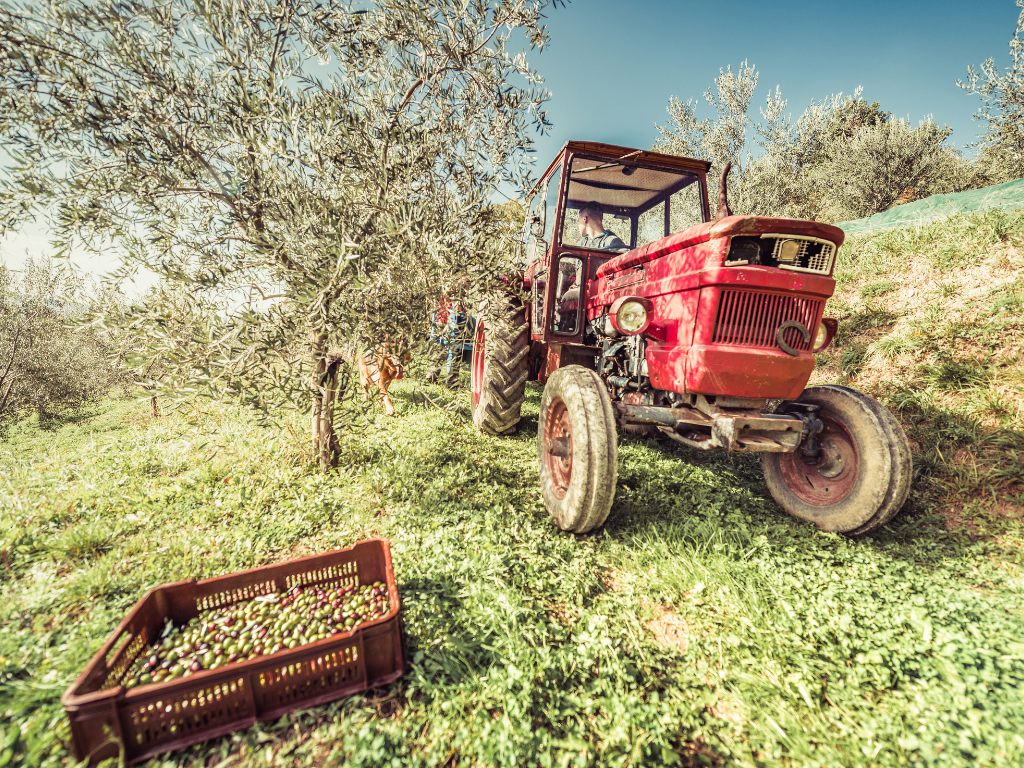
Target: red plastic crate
160, 717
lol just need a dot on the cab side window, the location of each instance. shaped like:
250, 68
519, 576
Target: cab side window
568, 294
540, 294
529, 239
551, 204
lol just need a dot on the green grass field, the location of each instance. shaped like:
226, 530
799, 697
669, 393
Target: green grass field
699, 626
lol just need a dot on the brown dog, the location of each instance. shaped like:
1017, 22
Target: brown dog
378, 367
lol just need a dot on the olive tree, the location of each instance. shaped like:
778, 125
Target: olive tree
720, 140
881, 165
843, 157
1002, 94
298, 174
51, 360
770, 157
778, 181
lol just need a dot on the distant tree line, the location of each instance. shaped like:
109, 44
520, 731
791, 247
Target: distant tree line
845, 157
52, 360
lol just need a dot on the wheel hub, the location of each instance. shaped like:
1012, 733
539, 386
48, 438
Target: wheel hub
832, 476
831, 463
558, 446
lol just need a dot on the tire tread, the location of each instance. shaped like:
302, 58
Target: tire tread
506, 369
882, 495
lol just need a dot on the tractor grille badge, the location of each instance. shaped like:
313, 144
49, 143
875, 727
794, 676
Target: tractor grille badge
780, 336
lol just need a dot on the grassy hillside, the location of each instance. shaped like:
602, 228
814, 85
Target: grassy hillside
931, 322
700, 625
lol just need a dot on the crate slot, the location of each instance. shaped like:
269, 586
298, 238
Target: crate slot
123, 658
232, 596
306, 679
331, 575
201, 709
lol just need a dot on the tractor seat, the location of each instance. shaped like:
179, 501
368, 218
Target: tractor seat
570, 300
566, 310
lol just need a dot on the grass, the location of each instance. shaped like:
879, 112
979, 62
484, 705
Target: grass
878, 288
790, 647
956, 242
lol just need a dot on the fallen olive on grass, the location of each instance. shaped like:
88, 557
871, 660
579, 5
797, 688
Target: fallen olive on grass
262, 626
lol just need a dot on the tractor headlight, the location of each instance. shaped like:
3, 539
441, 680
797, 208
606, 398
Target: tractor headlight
821, 336
631, 315
789, 251
826, 332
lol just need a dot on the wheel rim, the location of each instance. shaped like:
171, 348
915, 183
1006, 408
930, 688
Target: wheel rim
833, 477
477, 369
558, 447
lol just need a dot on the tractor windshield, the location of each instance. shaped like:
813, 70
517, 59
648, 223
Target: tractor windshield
613, 205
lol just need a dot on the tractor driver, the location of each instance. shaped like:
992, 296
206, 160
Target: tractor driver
592, 231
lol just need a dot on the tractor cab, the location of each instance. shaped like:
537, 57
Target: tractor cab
594, 202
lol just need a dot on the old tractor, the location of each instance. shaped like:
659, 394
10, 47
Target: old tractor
646, 313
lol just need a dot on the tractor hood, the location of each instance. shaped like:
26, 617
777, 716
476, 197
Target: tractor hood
730, 226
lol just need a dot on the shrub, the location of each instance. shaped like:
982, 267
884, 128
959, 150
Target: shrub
842, 158
881, 165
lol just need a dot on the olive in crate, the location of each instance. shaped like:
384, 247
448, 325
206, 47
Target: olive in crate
258, 627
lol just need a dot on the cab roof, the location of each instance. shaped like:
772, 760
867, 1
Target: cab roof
615, 152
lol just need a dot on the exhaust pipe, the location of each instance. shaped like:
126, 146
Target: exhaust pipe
723, 197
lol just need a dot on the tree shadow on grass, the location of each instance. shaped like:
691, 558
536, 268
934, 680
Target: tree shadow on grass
666, 489
438, 624
12, 427
51, 422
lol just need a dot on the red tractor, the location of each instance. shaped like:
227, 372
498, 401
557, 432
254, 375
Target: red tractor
648, 314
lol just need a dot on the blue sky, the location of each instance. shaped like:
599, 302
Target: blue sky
613, 64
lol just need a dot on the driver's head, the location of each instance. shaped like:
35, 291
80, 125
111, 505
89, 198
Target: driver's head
591, 220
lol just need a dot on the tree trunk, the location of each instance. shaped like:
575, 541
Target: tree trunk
325, 388
10, 384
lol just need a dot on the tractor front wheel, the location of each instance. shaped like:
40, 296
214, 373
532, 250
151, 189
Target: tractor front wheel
499, 371
862, 476
577, 449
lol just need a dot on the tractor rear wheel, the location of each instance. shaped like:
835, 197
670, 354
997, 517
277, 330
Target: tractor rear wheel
577, 449
863, 475
499, 371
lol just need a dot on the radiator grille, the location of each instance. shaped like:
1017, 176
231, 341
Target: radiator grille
749, 319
